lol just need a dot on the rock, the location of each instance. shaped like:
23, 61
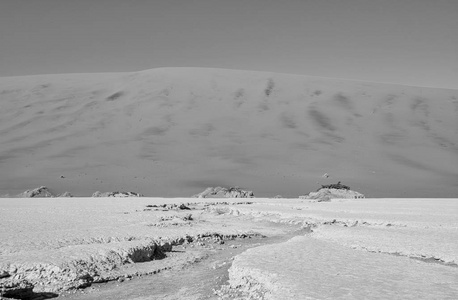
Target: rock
220, 192
98, 194
182, 206
326, 194
165, 246
41, 192
187, 217
4, 274
206, 193
16, 290
116, 194
171, 206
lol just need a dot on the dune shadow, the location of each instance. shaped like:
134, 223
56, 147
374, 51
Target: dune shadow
419, 104
343, 101
156, 130
44, 295
115, 96
288, 121
29, 295
203, 130
321, 119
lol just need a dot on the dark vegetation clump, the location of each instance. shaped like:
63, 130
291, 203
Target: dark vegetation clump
270, 86
234, 189
337, 186
115, 96
239, 93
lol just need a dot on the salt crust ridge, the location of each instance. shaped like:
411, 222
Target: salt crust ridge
329, 222
61, 264
91, 264
307, 268
78, 266
415, 237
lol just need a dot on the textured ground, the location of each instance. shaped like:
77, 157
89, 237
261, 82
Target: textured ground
344, 249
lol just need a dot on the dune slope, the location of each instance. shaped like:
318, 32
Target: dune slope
175, 131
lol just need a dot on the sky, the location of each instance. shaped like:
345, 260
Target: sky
413, 42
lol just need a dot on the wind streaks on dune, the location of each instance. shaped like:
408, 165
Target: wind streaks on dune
244, 128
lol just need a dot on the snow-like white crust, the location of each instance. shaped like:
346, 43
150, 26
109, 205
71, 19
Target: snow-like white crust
62, 243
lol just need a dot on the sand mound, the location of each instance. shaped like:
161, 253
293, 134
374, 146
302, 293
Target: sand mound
220, 192
40, 192
65, 195
328, 194
116, 194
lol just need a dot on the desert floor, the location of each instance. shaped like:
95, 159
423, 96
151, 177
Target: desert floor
258, 248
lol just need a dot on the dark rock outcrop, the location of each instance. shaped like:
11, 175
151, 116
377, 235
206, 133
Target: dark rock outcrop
220, 192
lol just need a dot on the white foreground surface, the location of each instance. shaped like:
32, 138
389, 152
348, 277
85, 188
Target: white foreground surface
358, 249
363, 249
307, 268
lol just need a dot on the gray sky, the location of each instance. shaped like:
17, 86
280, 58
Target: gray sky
402, 41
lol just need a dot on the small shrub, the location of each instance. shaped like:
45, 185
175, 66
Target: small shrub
337, 186
115, 96
239, 93
270, 87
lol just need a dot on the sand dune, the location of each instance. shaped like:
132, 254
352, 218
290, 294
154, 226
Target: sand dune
175, 131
